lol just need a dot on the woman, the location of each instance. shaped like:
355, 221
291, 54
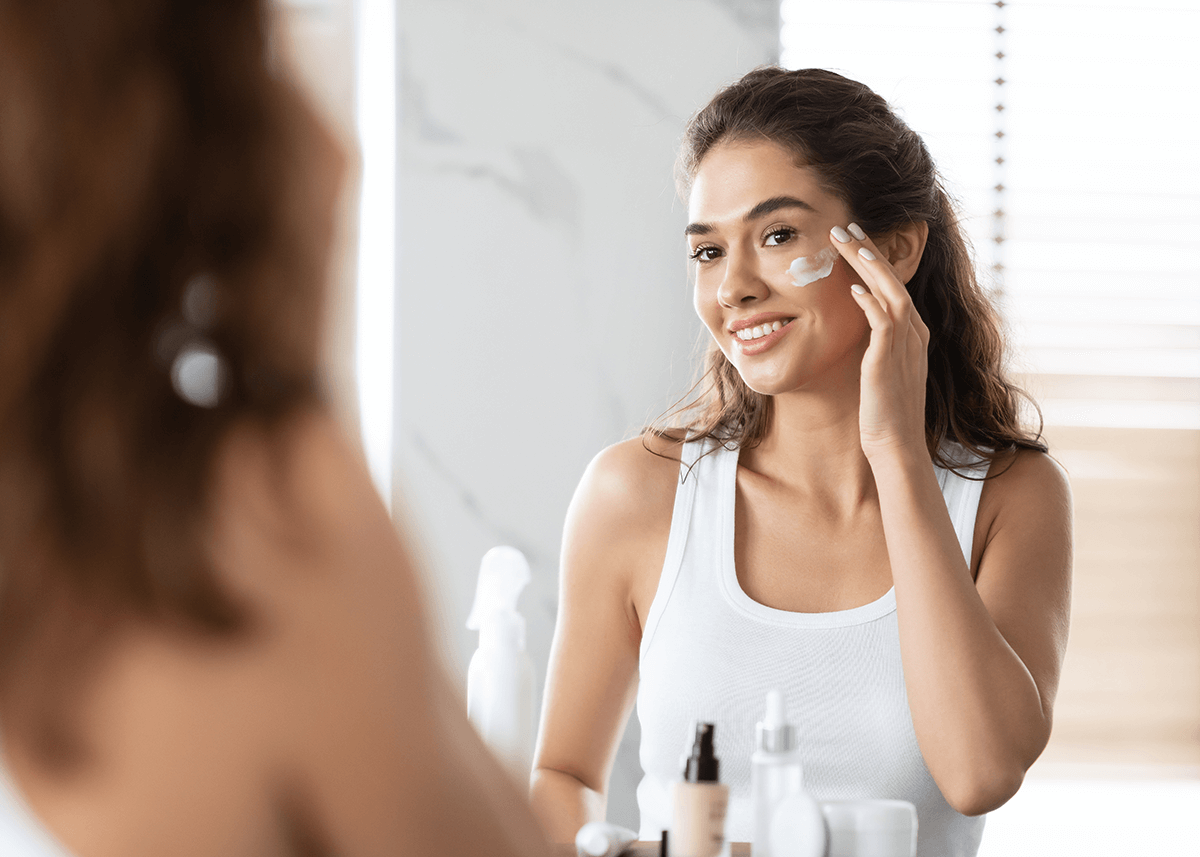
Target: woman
820, 522
211, 639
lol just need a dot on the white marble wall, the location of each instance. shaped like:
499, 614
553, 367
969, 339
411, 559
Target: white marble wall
543, 308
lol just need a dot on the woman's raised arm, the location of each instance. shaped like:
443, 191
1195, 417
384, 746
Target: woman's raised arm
982, 652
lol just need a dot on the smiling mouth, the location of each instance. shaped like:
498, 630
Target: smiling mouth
748, 334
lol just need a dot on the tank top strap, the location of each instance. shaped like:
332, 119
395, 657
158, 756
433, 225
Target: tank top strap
962, 488
692, 460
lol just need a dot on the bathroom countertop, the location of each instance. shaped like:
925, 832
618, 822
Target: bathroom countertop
650, 849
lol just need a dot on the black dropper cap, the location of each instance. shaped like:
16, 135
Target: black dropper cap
702, 765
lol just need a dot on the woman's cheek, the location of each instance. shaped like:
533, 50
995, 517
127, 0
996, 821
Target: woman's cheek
704, 300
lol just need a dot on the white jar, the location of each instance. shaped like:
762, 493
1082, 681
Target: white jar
871, 828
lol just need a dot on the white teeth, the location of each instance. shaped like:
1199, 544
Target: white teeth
748, 333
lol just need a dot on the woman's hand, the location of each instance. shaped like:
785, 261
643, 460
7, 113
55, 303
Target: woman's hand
891, 415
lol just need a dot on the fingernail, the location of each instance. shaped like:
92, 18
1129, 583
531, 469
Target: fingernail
840, 235
857, 232
858, 290
866, 254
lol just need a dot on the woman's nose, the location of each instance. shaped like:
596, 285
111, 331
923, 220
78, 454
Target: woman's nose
743, 282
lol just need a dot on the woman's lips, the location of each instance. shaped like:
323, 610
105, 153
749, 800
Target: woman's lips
762, 343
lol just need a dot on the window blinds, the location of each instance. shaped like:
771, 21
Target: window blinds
1098, 219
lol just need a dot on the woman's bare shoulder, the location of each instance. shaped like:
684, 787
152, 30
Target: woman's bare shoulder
175, 720
301, 535
630, 486
331, 705
1026, 476
1027, 494
297, 497
304, 459
378, 738
618, 525
300, 532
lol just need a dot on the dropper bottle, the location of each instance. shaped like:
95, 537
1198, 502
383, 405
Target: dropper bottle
700, 801
777, 778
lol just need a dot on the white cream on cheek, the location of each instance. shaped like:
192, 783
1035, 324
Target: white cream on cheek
809, 269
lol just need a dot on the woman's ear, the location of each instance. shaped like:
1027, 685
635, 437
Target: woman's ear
904, 248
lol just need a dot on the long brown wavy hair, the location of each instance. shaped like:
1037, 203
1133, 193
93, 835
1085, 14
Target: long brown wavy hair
868, 157
147, 153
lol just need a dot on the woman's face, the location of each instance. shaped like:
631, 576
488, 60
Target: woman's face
752, 214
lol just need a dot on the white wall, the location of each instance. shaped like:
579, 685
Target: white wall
543, 310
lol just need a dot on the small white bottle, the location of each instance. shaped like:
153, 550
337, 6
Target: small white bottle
500, 688
777, 781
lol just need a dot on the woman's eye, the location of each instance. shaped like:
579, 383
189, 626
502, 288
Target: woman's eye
704, 254
779, 236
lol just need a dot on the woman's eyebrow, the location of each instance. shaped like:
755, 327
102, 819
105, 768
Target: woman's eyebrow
767, 206
775, 203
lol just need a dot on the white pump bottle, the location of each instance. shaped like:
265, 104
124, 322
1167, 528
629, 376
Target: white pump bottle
500, 690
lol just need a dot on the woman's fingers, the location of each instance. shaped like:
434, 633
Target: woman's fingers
860, 251
879, 319
920, 327
887, 284
848, 244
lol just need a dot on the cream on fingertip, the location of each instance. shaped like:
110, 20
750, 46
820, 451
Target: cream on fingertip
857, 232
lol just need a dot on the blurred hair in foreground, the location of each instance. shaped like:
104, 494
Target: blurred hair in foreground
150, 150
211, 639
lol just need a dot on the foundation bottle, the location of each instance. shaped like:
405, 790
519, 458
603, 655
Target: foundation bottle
700, 800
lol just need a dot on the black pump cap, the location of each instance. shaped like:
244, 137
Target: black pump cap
702, 764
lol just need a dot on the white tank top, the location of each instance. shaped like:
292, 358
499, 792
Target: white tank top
709, 652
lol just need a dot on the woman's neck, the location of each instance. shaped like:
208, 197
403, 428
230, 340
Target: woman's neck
813, 445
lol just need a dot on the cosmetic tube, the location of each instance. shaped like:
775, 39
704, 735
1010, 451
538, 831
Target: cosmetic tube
601, 839
700, 801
